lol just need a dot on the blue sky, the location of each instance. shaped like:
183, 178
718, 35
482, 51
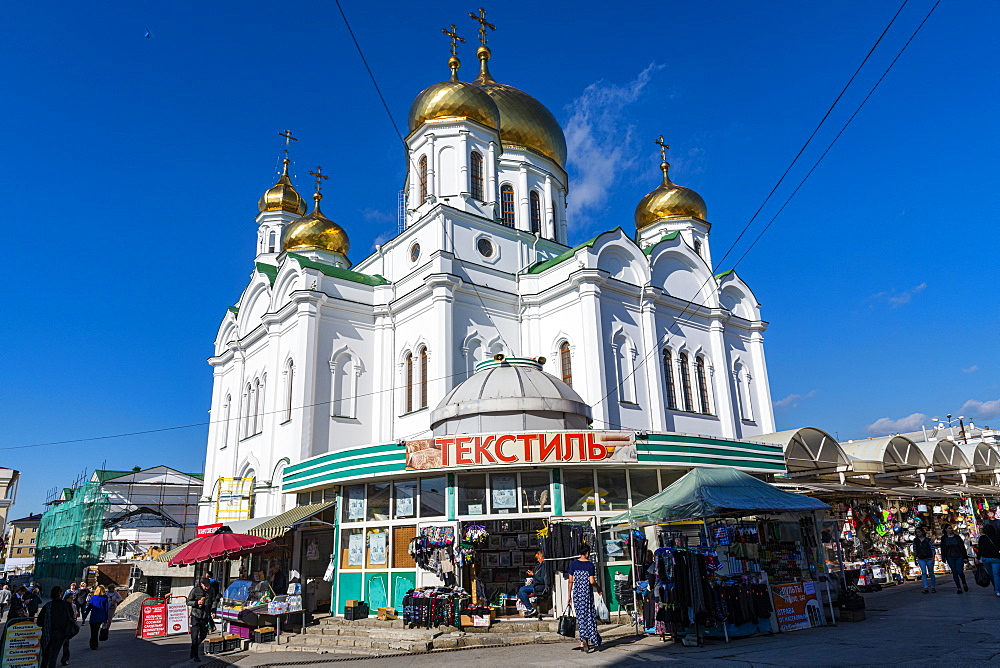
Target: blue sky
132, 168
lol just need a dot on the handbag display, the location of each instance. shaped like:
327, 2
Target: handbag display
982, 576
567, 624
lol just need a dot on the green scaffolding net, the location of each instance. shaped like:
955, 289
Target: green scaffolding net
70, 535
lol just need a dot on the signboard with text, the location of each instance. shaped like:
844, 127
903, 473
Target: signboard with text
796, 606
22, 644
163, 619
521, 448
207, 530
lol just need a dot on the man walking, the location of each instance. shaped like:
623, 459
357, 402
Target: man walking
5, 595
202, 600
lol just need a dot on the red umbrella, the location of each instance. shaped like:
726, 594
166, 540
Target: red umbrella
217, 546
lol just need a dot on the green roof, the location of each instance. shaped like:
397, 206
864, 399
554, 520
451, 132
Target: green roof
268, 270
105, 475
337, 272
666, 237
233, 309
562, 257
725, 273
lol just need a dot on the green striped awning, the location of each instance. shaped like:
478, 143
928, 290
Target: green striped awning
279, 524
170, 554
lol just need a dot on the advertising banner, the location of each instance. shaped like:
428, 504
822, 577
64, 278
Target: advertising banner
177, 618
153, 620
22, 644
207, 530
521, 448
796, 606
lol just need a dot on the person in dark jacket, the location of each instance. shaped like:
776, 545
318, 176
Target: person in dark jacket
98, 609
57, 621
201, 600
33, 601
954, 552
539, 584
18, 604
923, 552
989, 554
70, 598
81, 600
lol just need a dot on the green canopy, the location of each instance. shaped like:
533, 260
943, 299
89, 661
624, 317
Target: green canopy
714, 492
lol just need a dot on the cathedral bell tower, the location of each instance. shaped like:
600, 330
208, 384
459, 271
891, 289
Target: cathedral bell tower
279, 205
672, 208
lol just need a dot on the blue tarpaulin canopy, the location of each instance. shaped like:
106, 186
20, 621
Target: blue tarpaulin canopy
715, 492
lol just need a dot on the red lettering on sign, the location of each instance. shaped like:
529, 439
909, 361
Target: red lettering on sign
482, 453
547, 449
463, 451
595, 450
443, 443
569, 442
506, 438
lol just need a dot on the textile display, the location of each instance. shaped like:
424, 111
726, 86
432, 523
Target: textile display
434, 606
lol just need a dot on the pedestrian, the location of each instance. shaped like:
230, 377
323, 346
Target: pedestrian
202, 602
68, 596
18, 604
97, 609
923, 552
279, 581
58, 624
5, 595
536, 585
582, 582
989, 554
114, 599
33, 601
954, 552
82, 594
990, 517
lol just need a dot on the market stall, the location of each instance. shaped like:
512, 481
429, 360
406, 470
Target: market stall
734, 556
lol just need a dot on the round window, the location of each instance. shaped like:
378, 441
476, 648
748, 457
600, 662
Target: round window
414, 252
485, 247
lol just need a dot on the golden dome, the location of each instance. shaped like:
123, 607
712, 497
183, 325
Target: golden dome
524, 121
282, 196
669, 200
454, 99
315, 231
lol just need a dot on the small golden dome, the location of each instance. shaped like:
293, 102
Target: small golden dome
669, 200
524, 121
454, 99
315, 231
282, 196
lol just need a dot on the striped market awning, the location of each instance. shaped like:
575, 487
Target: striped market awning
280, 524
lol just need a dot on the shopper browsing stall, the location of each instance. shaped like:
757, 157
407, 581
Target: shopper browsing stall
923, 552
989, 554
582, 582
954, 552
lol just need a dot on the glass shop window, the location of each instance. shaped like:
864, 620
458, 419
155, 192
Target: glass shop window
378, 548
472, 494
378, 500
535, 493
354, 503
612, 493
352, 548
578, 489
644, 484
404, 504
503, 493
432, 496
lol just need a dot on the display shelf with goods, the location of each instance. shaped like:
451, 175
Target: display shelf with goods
243, 603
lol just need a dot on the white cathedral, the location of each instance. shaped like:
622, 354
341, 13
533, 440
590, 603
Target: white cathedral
323, 354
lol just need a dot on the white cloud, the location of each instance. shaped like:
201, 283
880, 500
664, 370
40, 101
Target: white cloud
600, 145
982, 409
972, 369
378, 216
894, 299
792, 400
885, 426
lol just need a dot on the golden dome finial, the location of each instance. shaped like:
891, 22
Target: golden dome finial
282, 196
483, 25
668, 200
484, 54
320, 177
664, 165
315, 230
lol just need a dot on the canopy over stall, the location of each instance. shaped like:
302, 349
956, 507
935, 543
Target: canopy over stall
897, 455
809, 451
715, 492
217, 546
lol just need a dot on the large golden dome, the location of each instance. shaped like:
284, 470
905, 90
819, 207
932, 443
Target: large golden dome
315, 231
669, 200
454, 99
524, 121
282, 196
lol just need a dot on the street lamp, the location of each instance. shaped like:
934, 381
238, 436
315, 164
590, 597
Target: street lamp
950, 422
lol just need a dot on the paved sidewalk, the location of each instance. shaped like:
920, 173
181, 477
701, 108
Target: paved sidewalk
904, 628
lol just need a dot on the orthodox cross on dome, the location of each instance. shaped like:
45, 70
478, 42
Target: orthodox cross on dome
663, 149
319, 178
455, 39
287, 134
483, 25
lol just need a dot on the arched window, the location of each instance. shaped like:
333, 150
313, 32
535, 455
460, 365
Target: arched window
702, 385
345, 386
626, 377
668, 379
686, 382
258, 407
272, 239
423, 180
423, 376
697, 246
536, 212
225, 420
289, 388
476, 175
507, 204
409, 382
473, 354
744, 398
566, 363
248, 401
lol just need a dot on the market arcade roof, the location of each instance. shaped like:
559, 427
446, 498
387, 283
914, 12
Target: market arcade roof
809, 451
895, 455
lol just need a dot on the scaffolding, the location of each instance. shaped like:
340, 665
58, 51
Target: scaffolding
70, 535
233, 499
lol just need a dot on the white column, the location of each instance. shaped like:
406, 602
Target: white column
492, 177
760, 389
433, 187
719, 382
548, 227
590, 360
653, 368
461, 179
524, 215
308, 338
382, 380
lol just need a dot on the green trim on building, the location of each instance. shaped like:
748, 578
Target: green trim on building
345, 467
546, 264
702, 450
337, 272
557, 504
666, 237
718, 461
268, 270
725, 273
235, 310
332, 478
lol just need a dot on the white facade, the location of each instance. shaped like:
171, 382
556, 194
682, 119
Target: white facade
314, 357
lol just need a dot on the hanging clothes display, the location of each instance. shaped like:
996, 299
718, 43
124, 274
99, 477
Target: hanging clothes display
434, 606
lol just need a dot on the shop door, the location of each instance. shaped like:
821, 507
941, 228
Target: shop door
315, 551
427, 578
402, 583
377, 591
